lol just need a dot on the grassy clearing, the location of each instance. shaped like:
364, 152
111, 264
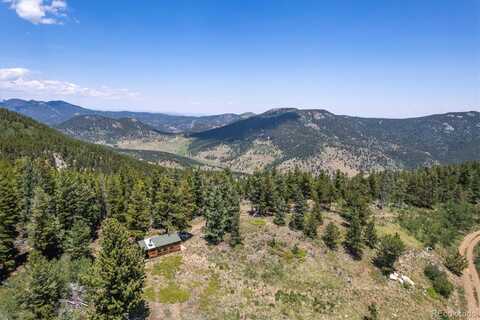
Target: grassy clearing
390, 228
168, 266
278, 274
210, 292
156, 291
170, 294
173, 294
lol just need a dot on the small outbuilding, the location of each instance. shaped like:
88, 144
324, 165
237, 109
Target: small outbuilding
159, 245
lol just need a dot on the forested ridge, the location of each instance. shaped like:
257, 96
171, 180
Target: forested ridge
21, 136
67, 234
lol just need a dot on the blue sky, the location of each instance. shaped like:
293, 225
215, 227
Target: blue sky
369, 58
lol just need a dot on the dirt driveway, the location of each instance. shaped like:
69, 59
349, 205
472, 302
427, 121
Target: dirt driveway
470, 278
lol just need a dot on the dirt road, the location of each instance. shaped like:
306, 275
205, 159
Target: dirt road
470, 278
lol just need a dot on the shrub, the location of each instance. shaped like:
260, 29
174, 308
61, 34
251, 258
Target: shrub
456, 263
390, 249
331, 236
439, 280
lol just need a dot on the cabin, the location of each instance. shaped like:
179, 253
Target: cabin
160, 245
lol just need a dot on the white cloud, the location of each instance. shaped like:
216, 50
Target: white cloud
39, 11
12, 74
20, 80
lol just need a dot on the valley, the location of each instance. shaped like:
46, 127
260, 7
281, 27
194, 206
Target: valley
284, 139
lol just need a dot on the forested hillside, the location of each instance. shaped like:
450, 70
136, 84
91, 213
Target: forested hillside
23, 137
99, 129
317, 139
68, 249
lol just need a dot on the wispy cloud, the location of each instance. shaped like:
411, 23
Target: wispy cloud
40, 11
22, 80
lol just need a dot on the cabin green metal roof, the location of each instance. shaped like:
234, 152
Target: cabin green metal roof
159, 241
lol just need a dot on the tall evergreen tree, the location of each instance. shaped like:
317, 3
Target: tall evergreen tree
317, 213
9, 215
66, 199
44, 230
174, 205
324, 191
354, 240
298, 219
371, 237
231, 201
215, 216
115, 200
310, 227
77, 240
331, 236
25, 182
280, 209
45, 285
198, 186
138, 215
234, 218
118, 276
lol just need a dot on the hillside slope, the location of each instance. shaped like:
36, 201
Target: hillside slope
315, 139
99, 129
23, 137
56, 112
267, 278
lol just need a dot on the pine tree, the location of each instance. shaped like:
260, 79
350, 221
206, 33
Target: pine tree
231, 200
298, 220
89, 203
66, 197
354, 241
44, 230
268, 194
215, 215
115, 200
317, 213
280, 209
371, 237
234, 214
138, 215
185, 206
166, 205
45, 285
25, 184
390, 249
255, 192
331, 236
310, 227
174, 205
118, 276
8, 220
198, 186
77, 240
324, 191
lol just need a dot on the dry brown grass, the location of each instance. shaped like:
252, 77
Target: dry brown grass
266, 279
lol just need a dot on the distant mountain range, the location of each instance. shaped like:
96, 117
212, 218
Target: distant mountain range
56, 112
318, 139
289, 138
